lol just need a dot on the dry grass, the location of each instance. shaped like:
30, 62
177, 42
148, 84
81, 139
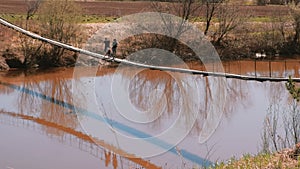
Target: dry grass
286, 159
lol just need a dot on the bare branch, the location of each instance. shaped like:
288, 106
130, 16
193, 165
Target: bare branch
32, 7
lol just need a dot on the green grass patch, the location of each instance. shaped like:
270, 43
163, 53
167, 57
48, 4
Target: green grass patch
269, 19
96, 19
247, 162
261, 19
105, 19
13, 17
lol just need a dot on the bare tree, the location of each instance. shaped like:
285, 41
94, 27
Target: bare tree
281, 18
32, 7
295, 12
30, 47
211, 7
229, 18
186, 8
181, 8
58, 20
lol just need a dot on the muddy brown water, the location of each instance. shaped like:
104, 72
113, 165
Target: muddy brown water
100, 117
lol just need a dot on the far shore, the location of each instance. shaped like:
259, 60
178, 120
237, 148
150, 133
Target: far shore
98, 13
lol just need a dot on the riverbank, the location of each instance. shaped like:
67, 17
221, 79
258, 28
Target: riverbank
251, 40
12, 55
285, 159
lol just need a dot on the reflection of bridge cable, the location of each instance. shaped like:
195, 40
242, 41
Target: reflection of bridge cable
137, 133
113, 131
99, 56
111, 125
81, 136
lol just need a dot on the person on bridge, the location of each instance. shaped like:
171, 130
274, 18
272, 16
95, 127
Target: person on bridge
106, 44
114, 47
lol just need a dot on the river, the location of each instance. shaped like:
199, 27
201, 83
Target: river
128, 117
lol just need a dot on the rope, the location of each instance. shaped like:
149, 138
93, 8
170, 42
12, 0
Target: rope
99, 56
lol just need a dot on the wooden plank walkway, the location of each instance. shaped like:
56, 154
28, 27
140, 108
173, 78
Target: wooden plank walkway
163, 68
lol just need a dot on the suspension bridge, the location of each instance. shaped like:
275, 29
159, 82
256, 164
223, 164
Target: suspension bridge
127, 62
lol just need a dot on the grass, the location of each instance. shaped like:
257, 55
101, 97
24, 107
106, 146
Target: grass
12, 17
262, 160
269, 19
96, 19
250, 19
105, 19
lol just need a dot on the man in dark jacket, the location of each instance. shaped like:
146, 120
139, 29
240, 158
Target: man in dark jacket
114, 47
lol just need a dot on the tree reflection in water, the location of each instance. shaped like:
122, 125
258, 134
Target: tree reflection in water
159, 92
178, 98
238, 95
168, 95
7, 77
57, 86
281, 125
172, 100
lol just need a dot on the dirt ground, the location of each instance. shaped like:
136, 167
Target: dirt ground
121, 8
105, 8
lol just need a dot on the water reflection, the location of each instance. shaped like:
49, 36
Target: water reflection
266, 68
45, 98
145, 82
107, 154
134, 97
237, 96
56, 88
158, 95
281, 125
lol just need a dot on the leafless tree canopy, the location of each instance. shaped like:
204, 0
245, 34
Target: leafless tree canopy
32, 7
57, 20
